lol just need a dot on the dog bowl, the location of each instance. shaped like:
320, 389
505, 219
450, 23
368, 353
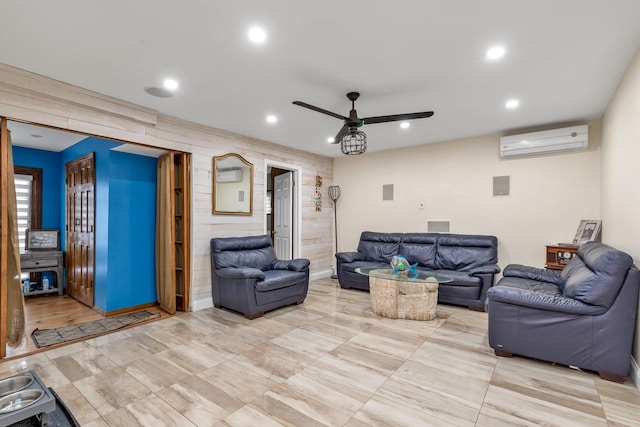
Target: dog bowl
13, 384
19, 400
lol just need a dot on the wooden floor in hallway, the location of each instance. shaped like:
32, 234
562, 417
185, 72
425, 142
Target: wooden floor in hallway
46, 312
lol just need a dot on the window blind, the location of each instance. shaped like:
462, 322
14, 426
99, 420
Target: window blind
23, 197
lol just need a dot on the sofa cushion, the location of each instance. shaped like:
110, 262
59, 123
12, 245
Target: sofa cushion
465, 252
419, 248
596, 275
278, 279
458, 291
351, 266
543, 288
459, 277
379, 247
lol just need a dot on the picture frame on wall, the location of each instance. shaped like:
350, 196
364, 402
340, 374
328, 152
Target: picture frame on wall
588, 230
42, 240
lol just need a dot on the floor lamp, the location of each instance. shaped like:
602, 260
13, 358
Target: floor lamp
334, 194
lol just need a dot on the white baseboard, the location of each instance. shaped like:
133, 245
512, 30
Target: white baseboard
635, 373
322, 274
203, 303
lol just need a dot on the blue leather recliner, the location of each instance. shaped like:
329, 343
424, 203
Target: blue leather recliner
582, 316
246, 276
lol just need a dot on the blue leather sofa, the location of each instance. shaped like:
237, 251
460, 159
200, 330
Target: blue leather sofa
246, 276
471, 260
582, 316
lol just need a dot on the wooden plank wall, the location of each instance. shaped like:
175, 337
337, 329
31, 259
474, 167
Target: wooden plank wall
33, 98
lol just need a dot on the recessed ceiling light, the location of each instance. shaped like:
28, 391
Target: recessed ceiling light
512, 103
331, 140
405, 125
271, 118
170, 84
257, 35
496, 52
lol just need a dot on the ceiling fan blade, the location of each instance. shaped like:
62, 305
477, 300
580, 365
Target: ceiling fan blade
397, 117
344, 130
320, 110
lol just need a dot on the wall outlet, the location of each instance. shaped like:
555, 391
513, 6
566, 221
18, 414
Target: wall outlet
421, 206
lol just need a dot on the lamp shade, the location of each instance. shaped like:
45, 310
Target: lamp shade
334, 192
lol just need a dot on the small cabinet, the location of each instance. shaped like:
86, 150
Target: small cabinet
559, 255
39, 261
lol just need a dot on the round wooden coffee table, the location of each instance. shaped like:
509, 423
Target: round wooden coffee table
401, 296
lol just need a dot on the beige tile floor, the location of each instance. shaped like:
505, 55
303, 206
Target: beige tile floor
329, 362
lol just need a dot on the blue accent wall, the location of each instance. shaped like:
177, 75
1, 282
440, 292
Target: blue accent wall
125, 216
49, 162
132, 219
101, 148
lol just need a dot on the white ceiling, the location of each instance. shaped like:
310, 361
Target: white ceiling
48, 139
564, 59
42, 138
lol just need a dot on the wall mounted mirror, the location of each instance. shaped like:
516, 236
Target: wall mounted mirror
232, 185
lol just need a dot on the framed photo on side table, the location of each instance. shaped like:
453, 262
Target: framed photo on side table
42, 240
588, 230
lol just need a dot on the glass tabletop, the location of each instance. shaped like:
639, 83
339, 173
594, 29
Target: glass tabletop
404, 276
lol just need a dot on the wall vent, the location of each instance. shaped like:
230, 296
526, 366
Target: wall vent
438, 226
387, 192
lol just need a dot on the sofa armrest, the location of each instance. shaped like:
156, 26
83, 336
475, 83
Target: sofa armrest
540, 301
350, 256
299, 264
240, 273
532, 273
485, 269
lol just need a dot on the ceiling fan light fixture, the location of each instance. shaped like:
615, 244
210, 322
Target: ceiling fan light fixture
351, 140
354, 143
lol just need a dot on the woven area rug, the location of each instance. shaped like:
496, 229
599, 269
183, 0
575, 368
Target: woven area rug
47, 337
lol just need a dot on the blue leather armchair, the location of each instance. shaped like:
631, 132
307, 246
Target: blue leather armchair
246, 276
582, 316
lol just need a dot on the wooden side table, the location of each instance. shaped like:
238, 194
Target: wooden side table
559, 255
39, 261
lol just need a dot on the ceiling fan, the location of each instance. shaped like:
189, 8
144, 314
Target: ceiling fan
353, 122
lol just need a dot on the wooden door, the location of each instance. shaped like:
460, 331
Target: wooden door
282, 208
80, 236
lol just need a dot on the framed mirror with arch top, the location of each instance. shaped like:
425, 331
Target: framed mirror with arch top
232, 185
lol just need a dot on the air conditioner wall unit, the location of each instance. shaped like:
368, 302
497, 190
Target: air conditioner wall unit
230, 175
548, 141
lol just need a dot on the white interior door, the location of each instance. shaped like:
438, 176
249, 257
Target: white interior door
282, 208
